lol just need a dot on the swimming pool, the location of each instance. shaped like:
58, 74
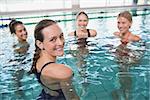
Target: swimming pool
100, 73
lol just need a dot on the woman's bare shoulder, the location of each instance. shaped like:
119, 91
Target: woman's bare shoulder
57, 71
135, 38
71, 34
117, 33
93, 32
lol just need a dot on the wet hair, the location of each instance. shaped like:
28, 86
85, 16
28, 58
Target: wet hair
80, 13
126, 14
13, 24
38, 35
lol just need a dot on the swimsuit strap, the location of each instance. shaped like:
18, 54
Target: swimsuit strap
89, 35
88, 30
45, 66
39, 74
75, 33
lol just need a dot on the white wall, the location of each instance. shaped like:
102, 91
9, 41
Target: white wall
25, 5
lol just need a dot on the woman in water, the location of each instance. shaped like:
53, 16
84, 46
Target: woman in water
18, 28
55, 78
124, 21
82, 33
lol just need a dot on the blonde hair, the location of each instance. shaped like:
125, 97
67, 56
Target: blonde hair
126, 14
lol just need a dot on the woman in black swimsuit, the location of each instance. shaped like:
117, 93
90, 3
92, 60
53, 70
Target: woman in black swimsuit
81, 23
54, 78
81, 35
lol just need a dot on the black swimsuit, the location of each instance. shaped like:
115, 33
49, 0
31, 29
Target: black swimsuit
44, 95
88, 30
82, 42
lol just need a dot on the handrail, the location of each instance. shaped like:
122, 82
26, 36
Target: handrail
147, 6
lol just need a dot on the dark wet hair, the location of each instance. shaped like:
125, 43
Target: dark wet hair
126, 14
39, 36
12, 26
80, 13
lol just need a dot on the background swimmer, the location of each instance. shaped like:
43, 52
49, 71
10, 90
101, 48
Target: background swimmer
18, 28
124, 22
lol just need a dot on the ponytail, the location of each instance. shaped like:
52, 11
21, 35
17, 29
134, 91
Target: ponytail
35, 58
39, 36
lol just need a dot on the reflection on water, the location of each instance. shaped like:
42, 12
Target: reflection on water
15, 63
15, 69
129, 54
126, 58
21, 48
108, 70
81, 50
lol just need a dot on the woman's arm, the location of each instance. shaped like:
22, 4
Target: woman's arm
136, 38
63, 74
69, 90
93, 33
116, 34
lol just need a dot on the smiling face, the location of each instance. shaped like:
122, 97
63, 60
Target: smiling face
82, 21
53, 42
123, 25
21, 32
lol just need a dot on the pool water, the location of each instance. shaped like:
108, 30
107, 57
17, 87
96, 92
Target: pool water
103, 69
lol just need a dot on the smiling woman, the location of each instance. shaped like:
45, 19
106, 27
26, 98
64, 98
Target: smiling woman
17, 28
81, 24
49, 43
124, 24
